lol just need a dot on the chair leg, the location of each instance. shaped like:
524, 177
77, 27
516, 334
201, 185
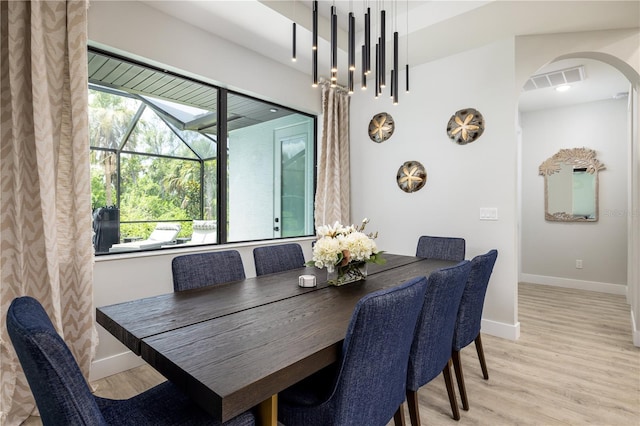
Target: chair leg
398, 417
480, 351
446, 371
457, 366
414, 408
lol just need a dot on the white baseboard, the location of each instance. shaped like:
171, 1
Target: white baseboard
636, 332
114, 364
501, 329
577, 284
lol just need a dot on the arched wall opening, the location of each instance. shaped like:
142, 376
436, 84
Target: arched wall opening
609, 126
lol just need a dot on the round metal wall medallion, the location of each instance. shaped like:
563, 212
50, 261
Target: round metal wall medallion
465, 126
411, 176
381, 127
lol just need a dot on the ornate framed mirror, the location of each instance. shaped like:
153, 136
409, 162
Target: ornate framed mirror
571, 185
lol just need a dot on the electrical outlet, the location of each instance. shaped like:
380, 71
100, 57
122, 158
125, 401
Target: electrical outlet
578, 263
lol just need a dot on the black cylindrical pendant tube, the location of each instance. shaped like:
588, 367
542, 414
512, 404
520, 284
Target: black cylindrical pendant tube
392, 91
396, 71
352, 41
350, 89
407, 77
293, 56
314, 67
334, 39
314, 40
383, 42
364, 67
377, 71
367, 40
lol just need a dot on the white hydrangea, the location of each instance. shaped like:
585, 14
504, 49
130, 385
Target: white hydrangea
337, 242
360, 246
326, 253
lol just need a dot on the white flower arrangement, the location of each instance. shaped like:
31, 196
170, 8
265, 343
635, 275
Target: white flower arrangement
340, 245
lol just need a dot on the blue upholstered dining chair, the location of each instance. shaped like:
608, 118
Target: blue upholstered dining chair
278, 258
63, 396
366, 386
431, 349
202, 269
470, 315
444, 248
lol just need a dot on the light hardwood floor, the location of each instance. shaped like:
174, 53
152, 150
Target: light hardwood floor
574, 364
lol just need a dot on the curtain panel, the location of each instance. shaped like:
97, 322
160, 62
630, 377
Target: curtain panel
333, 189
45, 195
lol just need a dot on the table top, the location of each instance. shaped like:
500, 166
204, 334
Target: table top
232, 346
132, 321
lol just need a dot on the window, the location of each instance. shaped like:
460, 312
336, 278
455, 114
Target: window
156, 161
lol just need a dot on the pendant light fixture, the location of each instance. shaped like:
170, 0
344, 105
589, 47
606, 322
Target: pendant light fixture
314, 45
407, 41
394, 71
334, 40
380, 31
367, 41
383, 43
293, 44
364, 68
352, 47
293, 56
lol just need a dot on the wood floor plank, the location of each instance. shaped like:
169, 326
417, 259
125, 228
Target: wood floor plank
574, 364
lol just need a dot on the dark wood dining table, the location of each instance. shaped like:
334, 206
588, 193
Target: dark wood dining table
234, 346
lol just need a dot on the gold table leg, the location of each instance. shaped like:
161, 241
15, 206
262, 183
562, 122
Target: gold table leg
268, 412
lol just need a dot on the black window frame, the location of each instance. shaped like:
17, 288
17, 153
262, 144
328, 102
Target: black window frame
221, 152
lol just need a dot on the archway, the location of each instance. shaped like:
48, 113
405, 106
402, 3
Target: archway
550, 251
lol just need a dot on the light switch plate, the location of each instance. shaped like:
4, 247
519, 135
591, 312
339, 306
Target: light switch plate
488, 213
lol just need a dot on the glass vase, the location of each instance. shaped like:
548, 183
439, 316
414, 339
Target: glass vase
351, 272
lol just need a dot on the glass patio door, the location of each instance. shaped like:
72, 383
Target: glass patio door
293, 183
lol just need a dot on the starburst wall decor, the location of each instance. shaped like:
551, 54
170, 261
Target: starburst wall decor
381, 127
411, 176
465, 126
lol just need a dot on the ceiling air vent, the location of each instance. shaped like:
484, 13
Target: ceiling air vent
555, 78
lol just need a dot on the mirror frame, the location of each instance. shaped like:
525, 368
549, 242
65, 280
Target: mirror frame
576, 158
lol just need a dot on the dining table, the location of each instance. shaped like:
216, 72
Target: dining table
232, 347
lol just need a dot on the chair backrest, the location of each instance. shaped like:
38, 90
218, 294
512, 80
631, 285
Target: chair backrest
371, 383
445, 248
165, 232
204, 232
278, 258
431, 348
203, 269
60, 390
470, 312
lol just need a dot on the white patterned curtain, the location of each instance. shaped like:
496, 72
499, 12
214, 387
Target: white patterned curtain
332, 192
45, 195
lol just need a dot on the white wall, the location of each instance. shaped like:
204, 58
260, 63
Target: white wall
461, 179
550, 249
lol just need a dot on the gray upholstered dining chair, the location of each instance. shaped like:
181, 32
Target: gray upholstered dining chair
470, 316
278, 258
203, 269
366, 386
431, 349
444, 248
63, 396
